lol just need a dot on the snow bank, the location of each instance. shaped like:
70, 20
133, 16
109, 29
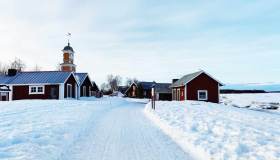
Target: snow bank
38, 129
117, 94
214, 131
257, 100
138, 100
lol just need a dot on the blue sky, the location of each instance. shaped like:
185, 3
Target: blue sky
235, 41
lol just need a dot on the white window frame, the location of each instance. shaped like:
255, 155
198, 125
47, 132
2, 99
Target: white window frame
71, 95
84, 91
36, 88
202, 91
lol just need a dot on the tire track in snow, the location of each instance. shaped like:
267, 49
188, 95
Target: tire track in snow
124, 133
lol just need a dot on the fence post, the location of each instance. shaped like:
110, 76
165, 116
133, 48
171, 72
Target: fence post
153, 98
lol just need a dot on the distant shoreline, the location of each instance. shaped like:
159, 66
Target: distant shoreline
237, 91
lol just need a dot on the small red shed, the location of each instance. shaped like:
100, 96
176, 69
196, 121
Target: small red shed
198, 86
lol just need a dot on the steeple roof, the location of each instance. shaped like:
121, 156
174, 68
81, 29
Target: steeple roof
68, 48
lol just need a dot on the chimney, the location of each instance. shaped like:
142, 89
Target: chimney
174, 80
12, 72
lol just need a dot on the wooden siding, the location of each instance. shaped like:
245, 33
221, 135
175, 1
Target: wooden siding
130, 91
88, 85
22, 92
182, 93
179, 93
164, 96
139, 92
71, 80
203, 82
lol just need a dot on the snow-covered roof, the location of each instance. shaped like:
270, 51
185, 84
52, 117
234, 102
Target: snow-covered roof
159, 87
4, 88
185, 79
122, 89
81, 77
163, 87
189, 77
146, 85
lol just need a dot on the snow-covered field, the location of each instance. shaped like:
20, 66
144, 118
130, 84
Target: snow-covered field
43, 129
109, 128
215, 131
117, 128
253, 101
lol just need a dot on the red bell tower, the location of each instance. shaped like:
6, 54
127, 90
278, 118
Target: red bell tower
68, 59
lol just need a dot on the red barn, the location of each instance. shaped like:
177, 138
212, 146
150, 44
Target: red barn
198, 86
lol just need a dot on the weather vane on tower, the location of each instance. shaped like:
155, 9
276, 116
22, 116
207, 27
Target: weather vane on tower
68, 38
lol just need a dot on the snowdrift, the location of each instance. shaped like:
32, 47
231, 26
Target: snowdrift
215, 131
260, 101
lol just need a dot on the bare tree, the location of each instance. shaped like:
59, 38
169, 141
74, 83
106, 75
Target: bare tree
104, 87
129, 81
114, 82
3, 68
18, 64
37, 68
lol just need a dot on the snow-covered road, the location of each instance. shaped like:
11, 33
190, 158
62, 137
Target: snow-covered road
123, 132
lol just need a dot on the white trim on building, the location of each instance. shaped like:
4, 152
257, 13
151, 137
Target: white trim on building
69, 89
61, 91
186, 92
84, 91
38, 89
200, 97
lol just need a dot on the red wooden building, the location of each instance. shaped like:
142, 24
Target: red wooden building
198, 86
41, 85
144, 90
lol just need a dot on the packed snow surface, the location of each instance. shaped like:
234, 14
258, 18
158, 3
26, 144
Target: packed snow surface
216, 131
254, 101
106, 128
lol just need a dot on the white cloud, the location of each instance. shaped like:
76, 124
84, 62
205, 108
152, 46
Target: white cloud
144, 39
